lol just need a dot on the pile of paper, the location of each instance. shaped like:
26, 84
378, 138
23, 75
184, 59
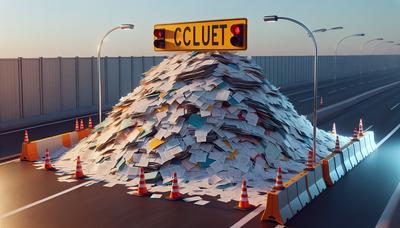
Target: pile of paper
211, 117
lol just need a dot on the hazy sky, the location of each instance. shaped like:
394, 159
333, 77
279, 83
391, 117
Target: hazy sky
32, 28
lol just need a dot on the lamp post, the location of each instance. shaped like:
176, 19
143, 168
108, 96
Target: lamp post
379, 45
337, 46
276, 18
362, 48
122, 27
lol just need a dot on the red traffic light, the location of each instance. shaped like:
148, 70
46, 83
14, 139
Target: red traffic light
236, 29
159, 33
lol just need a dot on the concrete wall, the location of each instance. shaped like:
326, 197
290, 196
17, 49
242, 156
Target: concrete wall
35, 90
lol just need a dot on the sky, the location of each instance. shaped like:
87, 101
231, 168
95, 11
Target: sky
50, 28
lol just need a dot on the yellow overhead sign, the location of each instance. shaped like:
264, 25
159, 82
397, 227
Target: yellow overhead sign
229, 34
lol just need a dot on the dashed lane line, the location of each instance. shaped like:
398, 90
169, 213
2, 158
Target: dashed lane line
369, 127
248, 217
395, 106
307, 99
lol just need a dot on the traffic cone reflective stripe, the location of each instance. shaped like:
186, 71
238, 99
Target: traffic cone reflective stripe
309, 163
244, 201
355, 135
81, 127
337, 145
47, 162
76, 124
90, 124
278, 180
142, 189
79, 172
334, 128
360, 129
26, 137
175, 194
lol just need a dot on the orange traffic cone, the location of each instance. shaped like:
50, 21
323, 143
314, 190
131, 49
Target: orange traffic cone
76, 124
337, 145
81, 126
355, 136
360, 128
333, 129
79, 172
26, 137
321, 101
90, 124
278, 180
174, 194
142, 189
309, 163
47, 163
244, 200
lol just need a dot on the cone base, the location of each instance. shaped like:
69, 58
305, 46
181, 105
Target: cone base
309, 169
141, 194
337, 151
174, 198
50, 168
79, 177
355, 139
245, 208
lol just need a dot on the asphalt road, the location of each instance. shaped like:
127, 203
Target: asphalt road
357, 200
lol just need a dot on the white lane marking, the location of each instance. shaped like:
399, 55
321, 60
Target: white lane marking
42, 200
8, 162
388, 135
392, 108
307, 99
343, 88
369, 127
387, 214
248, 217
46, 124
333, 91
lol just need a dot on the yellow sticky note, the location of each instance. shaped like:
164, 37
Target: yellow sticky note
163, 108
227, 143
233, 154
162, 94
154, 143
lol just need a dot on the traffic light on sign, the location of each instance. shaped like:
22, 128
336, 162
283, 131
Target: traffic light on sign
237, 31
159, 42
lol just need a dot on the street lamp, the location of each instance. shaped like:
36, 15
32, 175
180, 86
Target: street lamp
329, 29
362, 48
310, 34
337, 46
122, 27
380, 44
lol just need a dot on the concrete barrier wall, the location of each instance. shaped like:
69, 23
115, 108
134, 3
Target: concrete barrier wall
35, 90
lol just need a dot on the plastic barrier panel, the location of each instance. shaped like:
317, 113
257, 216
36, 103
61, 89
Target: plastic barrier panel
357, 151
311, 185
346, 159
294, 201
368, 137
352, 155
363, 148
319, 179
372, 141
35, 150
277, 208
329, 171
302, 192
339, 165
